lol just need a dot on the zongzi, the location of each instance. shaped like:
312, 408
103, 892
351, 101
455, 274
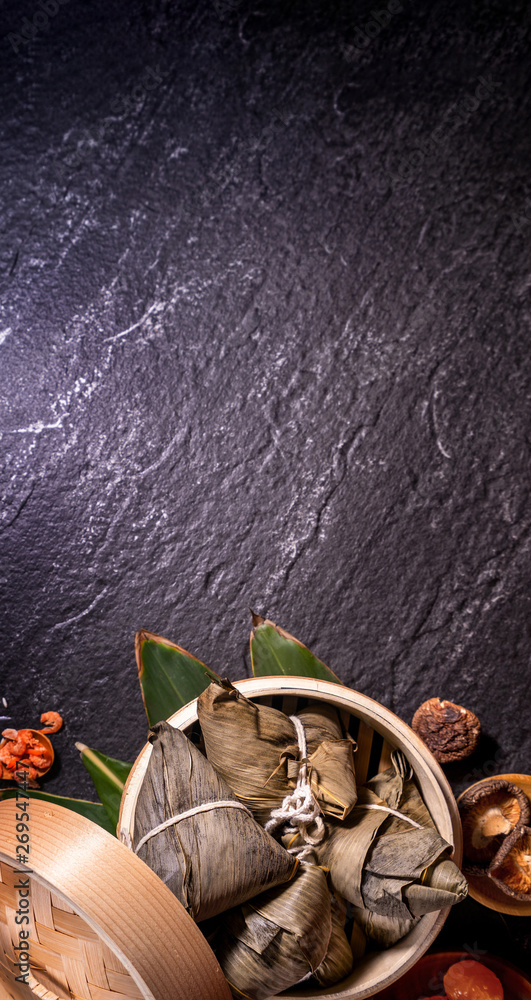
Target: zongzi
257, 751
205, 846
383, 931
272, 942
339, 959
344, 848
408, 874
388, 857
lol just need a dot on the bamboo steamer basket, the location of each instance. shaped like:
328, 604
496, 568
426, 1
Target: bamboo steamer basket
377, 732
102, 924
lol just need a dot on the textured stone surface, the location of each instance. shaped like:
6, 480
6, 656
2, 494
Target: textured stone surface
264, 340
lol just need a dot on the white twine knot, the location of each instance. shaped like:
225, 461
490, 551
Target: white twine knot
300, 808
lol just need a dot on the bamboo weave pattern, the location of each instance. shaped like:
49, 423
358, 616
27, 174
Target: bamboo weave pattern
68, 959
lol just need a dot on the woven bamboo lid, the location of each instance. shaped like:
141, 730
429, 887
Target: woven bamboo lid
102, 924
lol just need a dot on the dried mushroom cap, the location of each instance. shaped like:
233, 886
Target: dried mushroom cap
450, 731
511, 868
489, 813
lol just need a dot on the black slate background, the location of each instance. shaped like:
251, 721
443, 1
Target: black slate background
256, 350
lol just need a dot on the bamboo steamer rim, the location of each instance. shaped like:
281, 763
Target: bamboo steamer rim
378, 970
482, 889
117, 897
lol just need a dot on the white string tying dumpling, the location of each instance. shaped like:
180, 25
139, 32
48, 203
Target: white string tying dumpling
300, 809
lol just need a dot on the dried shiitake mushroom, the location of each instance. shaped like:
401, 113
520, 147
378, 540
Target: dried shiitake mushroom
511, 868
489, 813
450, 731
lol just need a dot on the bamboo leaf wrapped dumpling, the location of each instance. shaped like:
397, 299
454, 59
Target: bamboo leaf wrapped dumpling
272, 942
339, 959
255, 748
383, 931
407, 871
345, 845
384, 864
216, 855
408, 874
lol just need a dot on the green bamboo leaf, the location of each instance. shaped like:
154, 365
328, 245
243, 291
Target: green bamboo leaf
109, 777
169, 676
274, 651
90, 810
